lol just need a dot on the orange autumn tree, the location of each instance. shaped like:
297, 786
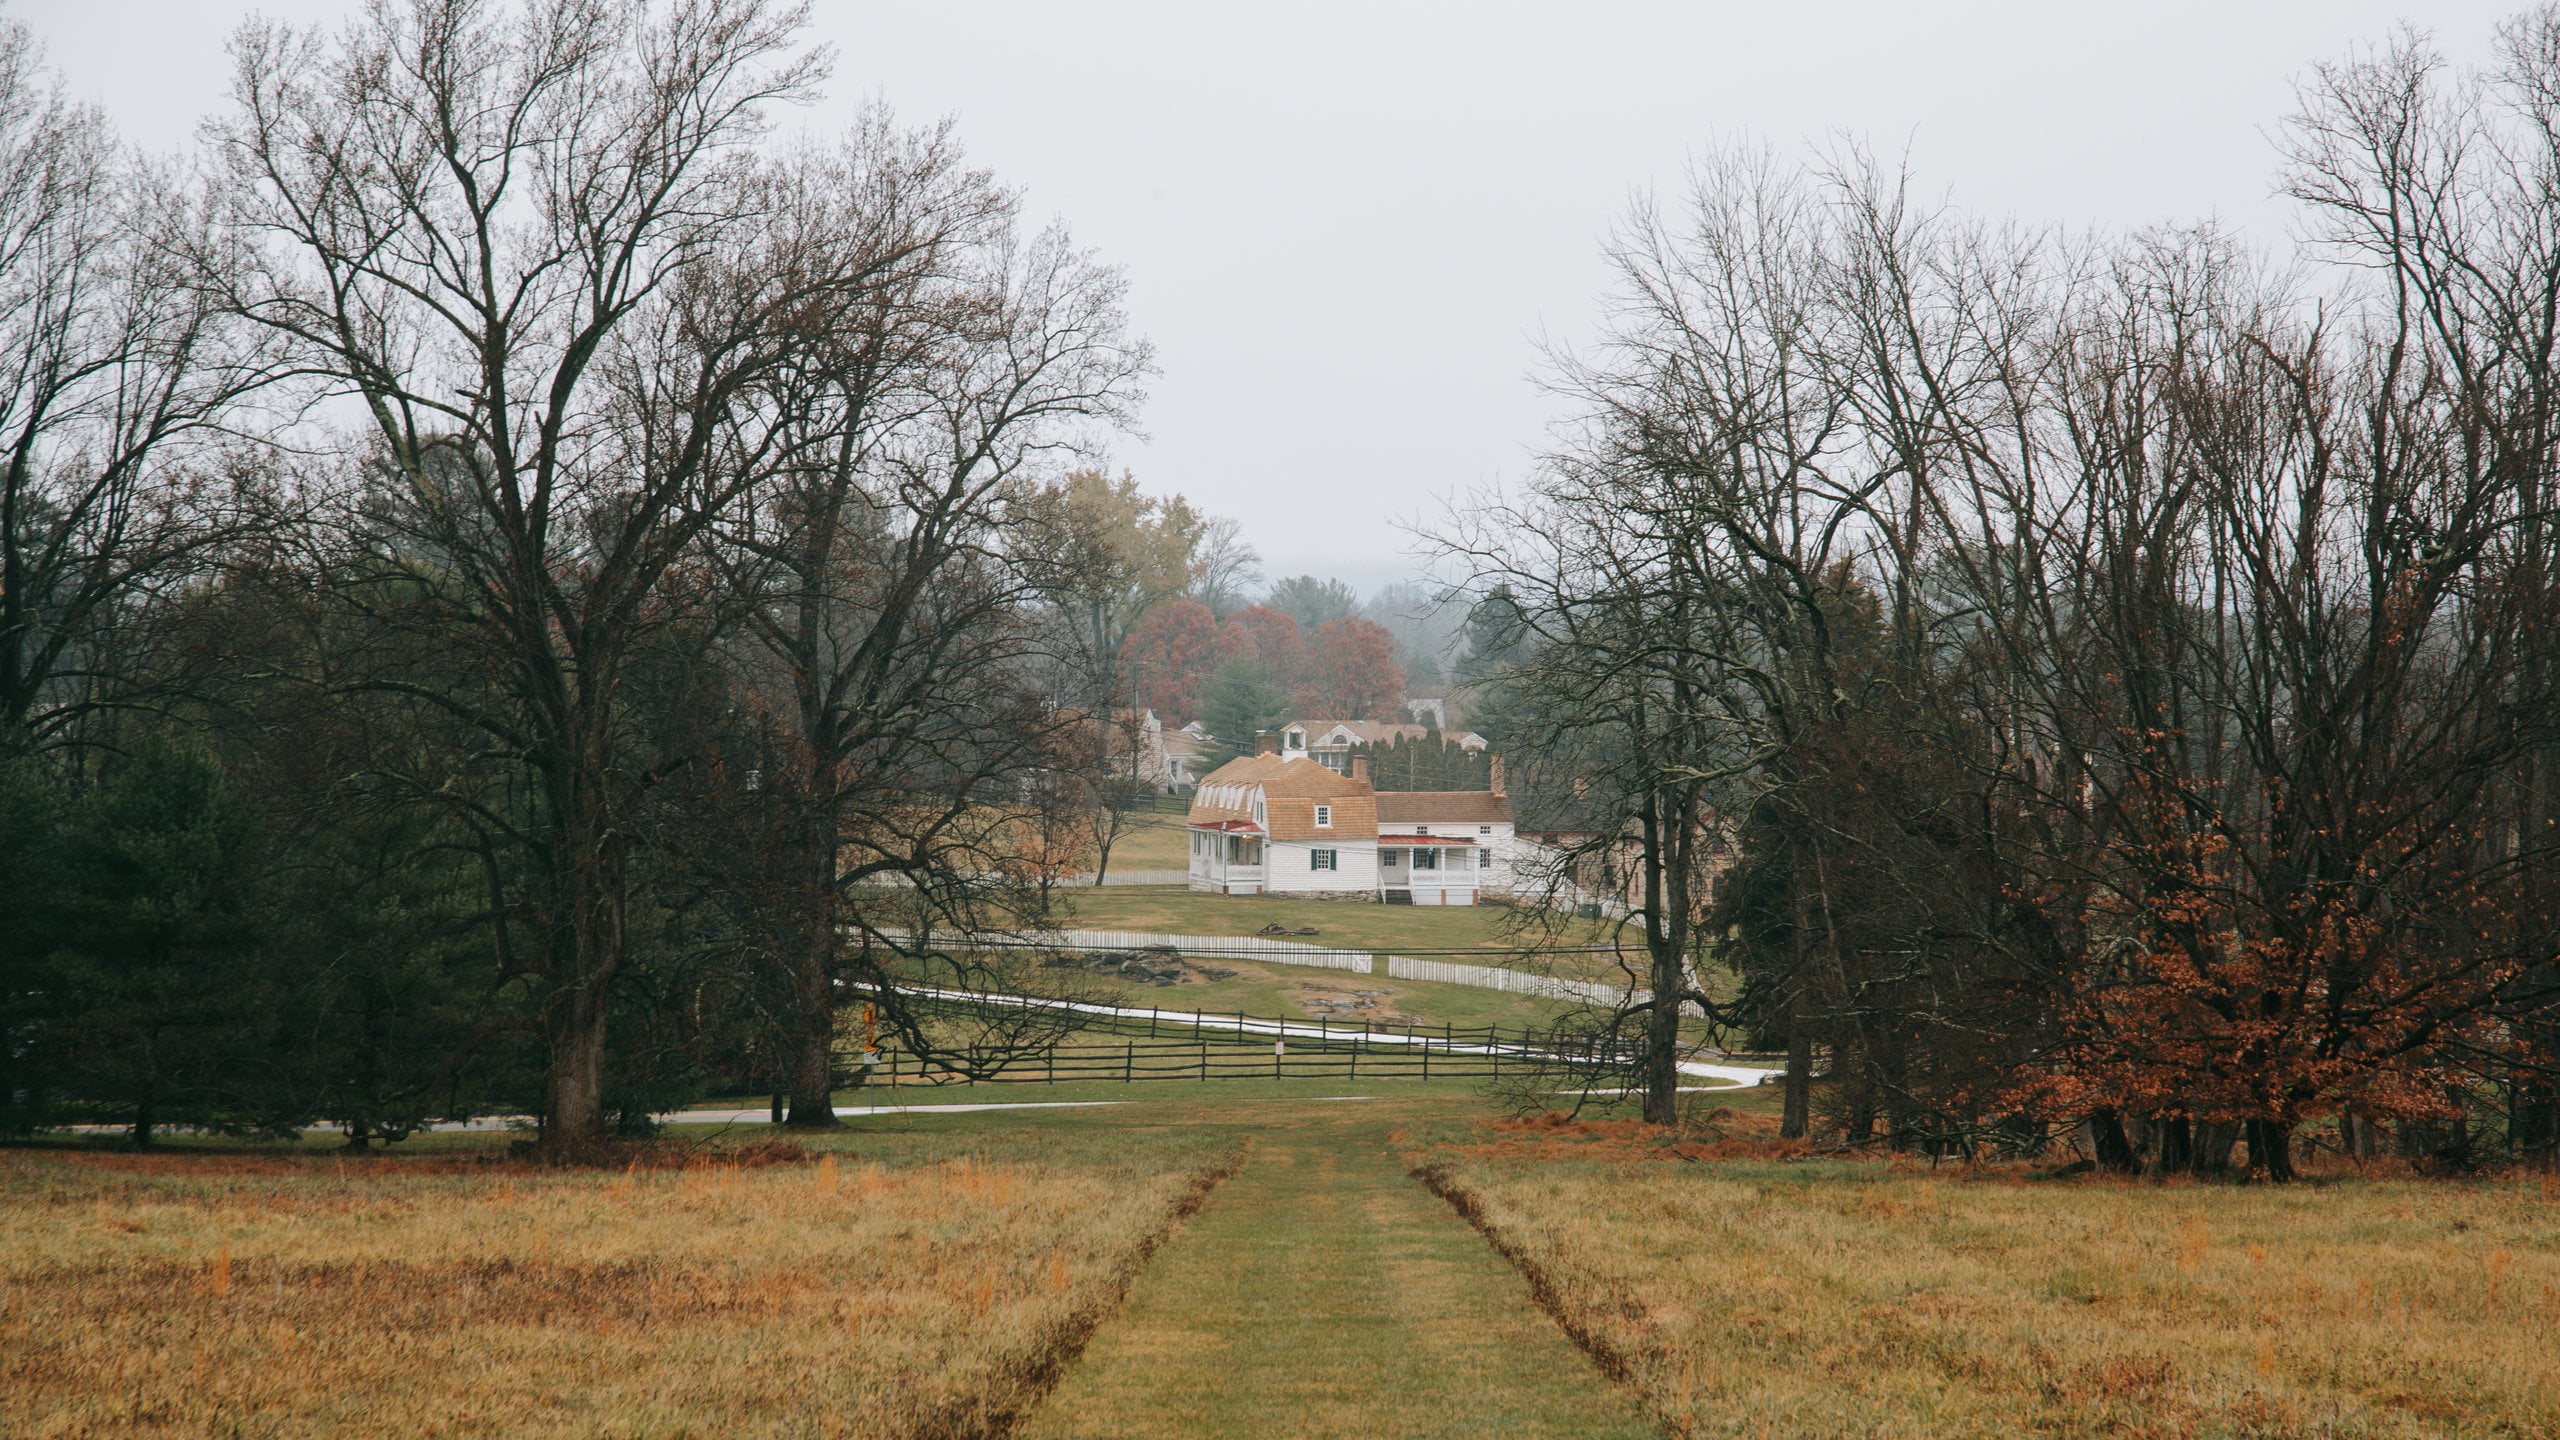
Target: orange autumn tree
2210, 1006
2288, 682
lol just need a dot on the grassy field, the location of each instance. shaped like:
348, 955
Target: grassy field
1477, 932
1284, 990
1322, 1293
1153, 841
937, 1273
912, 1285
1749, 1297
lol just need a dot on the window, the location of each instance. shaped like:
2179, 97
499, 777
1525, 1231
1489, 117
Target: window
1293, 739
1484, 829
1324, 819
1321, 860
1426, 859
1421, 829
1391, 857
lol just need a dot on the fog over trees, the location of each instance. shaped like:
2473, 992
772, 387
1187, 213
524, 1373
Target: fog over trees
2111, 680
529, 585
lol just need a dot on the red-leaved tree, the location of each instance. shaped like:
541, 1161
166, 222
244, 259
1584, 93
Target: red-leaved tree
1350, 672
1170, 655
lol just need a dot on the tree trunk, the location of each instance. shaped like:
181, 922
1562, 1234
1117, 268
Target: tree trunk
2533, 1122
813, 1098
1662, 1044
1795, 1118
2114, 1151
587, 855
1796, 1115
2177, 1146
573, 1114
2271, 1150
1665, 930
2213, 1142
810, 1042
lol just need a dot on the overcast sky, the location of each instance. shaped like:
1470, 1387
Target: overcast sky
1346, 225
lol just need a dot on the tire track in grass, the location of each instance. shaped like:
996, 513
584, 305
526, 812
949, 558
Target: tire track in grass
1321, 1293
1612, 1361
1038, 1373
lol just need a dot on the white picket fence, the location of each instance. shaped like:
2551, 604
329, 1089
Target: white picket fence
1487, 977
1218, 947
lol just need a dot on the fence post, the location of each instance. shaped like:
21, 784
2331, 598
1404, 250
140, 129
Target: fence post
1204, 1055
1053, 1064
1129, 1064
1426, 1059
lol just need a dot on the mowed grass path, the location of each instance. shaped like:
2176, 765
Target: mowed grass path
1322, 1292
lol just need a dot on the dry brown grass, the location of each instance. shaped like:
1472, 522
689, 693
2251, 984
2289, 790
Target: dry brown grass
1747, 1298
299, 1295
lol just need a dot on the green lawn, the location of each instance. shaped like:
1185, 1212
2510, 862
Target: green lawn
1152, 842
1477, 933
1322, 1292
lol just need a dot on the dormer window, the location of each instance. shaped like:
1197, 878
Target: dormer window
1294, 739
1324, 817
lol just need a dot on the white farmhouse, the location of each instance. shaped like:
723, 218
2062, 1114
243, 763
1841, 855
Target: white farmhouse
1446, 847
1276, 824
1266, 824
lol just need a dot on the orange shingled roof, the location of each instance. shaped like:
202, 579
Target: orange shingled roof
1291, 790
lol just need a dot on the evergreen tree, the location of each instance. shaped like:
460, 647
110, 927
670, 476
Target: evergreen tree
1240, 701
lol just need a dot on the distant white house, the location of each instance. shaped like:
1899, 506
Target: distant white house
1273, 823
1186, 756
1330, 742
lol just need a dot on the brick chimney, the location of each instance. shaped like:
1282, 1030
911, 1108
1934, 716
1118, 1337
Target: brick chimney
1265, 743
1496, 765
1360, 768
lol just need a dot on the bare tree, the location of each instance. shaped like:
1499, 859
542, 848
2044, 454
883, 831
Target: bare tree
117, 368
531, 242
1227, 566
889, 604
1679, 569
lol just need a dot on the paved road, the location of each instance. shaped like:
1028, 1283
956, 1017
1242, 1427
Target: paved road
763, 1115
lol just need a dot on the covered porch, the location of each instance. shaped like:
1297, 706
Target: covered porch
1428, 869
1227, 858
